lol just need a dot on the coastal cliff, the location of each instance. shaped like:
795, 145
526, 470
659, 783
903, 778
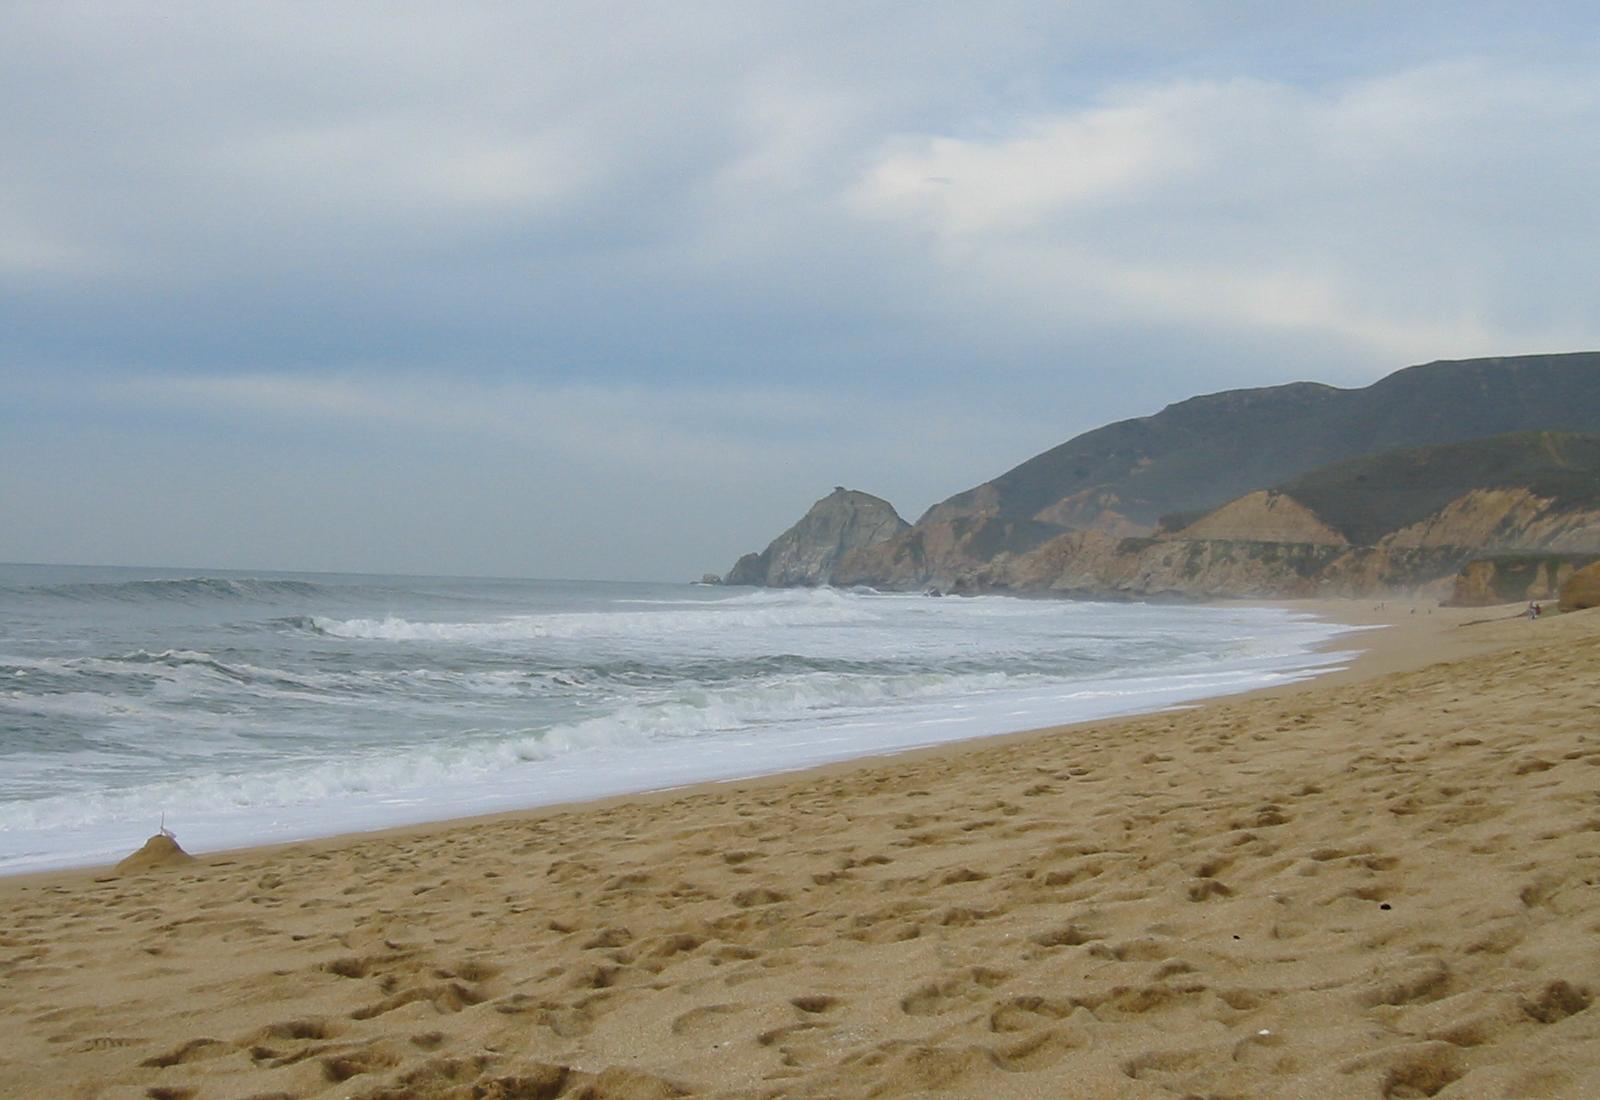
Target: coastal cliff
1582, 589
1222, 460
937, 553
1513, 578
1371, 521
1407, 519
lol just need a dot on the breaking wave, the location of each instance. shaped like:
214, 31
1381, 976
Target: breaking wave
182, 590
819, 608
256, 708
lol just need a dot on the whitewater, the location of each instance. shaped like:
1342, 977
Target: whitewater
247, 709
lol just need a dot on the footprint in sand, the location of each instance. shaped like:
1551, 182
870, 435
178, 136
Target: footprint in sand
949, 994
194, 1050
815, 1003
342, 1067
704, 1021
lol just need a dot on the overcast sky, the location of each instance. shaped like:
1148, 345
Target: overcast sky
616, 291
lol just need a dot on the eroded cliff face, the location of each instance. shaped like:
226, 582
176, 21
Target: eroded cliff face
937, 553
1089, 564
806, 554
1405, 518
1265, 544
1513, 578
1504, 519
1268, 545
1582, 589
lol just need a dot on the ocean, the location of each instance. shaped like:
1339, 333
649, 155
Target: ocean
255, 708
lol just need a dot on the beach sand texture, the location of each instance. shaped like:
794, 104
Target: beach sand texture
1373, 887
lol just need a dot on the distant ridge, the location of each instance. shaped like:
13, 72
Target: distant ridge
1198, 453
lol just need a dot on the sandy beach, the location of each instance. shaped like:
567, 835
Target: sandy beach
1385, 883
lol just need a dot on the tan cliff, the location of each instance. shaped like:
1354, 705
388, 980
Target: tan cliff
1582, 590
1090, 564
1264, 544
1405, 520
937, 553
1499, 519
1513, 578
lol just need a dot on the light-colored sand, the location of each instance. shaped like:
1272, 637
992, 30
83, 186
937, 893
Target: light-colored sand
1383, 885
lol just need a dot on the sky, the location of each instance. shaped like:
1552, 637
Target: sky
615, 291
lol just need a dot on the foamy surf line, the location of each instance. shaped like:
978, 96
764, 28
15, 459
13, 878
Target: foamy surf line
620, 755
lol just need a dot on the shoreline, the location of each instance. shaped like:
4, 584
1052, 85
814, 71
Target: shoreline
574, 779
1389, 636
1381, 885
1366, 639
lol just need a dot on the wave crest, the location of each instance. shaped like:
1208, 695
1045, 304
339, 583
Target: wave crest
676, 620
186, 589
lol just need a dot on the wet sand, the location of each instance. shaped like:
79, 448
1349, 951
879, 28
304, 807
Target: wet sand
1382, 884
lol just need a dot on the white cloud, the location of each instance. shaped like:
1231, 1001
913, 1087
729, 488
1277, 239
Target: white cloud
1091, 159
399, 167
30, 250
1365, 213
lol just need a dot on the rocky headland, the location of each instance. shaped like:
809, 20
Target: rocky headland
808, 554
1476, 480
